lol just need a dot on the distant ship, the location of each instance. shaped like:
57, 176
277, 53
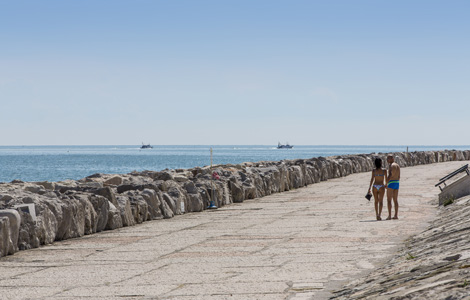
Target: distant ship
146, 146
286, 146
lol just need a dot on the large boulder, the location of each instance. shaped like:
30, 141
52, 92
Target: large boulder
102, 208
106, 192
139, 206
180, 178
250, 190
190, 187
41, 230
296, 177
34, 188
70, 217
114, 218
166, 209
113, 181
47, 185
89, 213
153, 201
28, 237
125, 210
164, 175
170, 202
10, 229
179, 195
5, 237
195, 203
238, 193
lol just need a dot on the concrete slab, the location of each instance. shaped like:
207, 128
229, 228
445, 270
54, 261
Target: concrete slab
455, 190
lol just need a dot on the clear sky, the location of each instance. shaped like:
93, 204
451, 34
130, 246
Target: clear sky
234, 72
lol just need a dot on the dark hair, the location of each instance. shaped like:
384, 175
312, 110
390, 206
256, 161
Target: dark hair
378, 163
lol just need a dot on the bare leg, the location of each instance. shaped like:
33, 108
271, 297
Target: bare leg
381, 200
395, 203
376, 203
389, 203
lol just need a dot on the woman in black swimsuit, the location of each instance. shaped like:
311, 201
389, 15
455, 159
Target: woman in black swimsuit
379, 179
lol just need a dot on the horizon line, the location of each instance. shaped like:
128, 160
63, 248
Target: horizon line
211, 145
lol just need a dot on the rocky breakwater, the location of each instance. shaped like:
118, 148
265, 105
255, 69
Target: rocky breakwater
434, 264
38, 213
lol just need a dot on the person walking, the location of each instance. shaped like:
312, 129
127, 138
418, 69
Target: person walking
393, 184
378, 179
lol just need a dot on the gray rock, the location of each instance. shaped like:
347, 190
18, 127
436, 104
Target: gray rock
28, 238
102, 207
114, 181
190, 187
250, 191
126, 211
139, 207
237, 191
170, 202
91, 185
10, 230
153, 201
65, 216
163, 176
296, 177
195, 203
114, 218
5, 238
47, 185
43, 229
89, 213
180, 178
166, 210
34, 188
127, 187
106, 192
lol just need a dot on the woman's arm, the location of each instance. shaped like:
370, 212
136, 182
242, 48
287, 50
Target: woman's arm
371, 180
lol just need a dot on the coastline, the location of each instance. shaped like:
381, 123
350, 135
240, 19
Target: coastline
70, 209
291, 245
58, 163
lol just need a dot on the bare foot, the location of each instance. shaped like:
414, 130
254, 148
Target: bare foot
395, 218
389, 218
379, 218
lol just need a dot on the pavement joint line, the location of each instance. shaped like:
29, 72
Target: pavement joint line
174, 290
25, 273
147, 272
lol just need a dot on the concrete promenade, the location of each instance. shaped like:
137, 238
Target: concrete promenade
294, 245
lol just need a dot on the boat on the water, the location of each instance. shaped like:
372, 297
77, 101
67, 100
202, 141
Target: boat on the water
148, 146
284, 146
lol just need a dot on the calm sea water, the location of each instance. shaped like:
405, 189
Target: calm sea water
55, 163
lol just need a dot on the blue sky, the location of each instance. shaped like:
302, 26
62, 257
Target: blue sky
234, 72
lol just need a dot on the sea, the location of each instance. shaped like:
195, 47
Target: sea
57, 163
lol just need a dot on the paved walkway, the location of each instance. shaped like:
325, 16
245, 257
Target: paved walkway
295, 245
